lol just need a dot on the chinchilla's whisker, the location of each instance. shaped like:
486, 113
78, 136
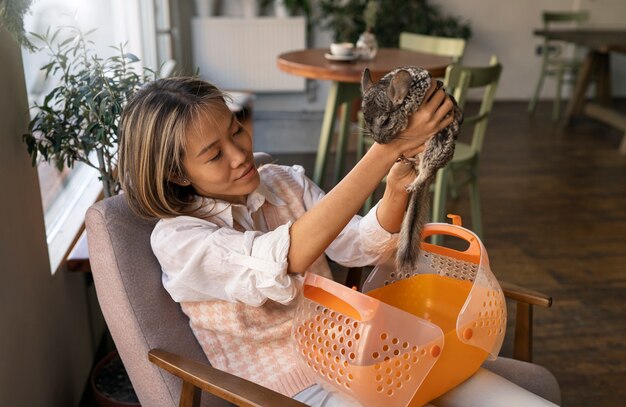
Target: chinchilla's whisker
366, 132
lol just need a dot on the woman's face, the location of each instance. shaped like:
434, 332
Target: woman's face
218, 157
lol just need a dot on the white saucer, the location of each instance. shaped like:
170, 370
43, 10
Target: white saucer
342, 58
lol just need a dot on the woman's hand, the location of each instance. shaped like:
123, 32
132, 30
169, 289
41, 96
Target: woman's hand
401, 175
433, 116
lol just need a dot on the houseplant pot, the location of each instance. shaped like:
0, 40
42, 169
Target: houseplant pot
110, 383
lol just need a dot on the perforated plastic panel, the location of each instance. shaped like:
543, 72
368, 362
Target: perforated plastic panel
482, 321
380, 354
373, 358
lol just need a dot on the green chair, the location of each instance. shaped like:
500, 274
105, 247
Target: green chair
552, 62
463, 169
428, 44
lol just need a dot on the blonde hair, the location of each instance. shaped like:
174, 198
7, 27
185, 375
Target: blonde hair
153, 127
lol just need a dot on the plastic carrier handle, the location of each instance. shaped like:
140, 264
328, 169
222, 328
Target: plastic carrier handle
471, 254
332, 301
340, 298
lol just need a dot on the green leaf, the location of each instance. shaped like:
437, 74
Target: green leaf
66, 41
82, 113
38, 36
131, 57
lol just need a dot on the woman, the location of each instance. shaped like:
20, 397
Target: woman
233, 241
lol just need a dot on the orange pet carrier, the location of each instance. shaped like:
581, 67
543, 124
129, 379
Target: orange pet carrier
409, 338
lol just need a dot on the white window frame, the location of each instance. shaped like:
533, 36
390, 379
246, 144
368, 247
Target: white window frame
64, 219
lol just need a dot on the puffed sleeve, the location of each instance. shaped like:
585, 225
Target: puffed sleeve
362, 242
201, 261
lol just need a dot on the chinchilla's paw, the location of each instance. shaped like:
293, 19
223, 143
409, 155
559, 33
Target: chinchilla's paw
411, 187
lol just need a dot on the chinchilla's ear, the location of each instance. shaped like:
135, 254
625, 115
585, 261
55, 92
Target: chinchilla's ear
399, 87
366, 80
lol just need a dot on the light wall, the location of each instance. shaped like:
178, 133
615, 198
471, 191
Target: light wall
501, 27
504, 28
46, 345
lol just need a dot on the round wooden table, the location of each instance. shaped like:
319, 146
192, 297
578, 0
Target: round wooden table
345, 87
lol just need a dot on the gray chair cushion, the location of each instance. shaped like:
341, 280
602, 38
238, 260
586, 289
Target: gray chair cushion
534, 378
139, 313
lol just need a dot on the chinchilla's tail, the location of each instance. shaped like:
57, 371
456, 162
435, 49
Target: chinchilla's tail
411, 231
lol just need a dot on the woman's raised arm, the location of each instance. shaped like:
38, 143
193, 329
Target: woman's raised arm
315, 230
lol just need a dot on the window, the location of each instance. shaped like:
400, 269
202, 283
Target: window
66, 195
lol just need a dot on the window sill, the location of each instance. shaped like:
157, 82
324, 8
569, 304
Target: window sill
69, 212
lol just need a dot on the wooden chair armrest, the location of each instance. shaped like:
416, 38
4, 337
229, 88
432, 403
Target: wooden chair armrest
525, 299
198, 376
525, 295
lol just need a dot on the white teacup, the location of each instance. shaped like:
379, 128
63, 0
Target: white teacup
343, 49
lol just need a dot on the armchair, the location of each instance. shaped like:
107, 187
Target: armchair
162, 357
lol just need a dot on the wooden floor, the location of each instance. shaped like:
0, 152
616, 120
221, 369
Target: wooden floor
554, 214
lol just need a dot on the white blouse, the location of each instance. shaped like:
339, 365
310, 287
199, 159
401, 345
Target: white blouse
210, 260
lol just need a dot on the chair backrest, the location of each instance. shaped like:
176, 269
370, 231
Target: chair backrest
462, 79
559, 17
553, 48
442, 46
138, 311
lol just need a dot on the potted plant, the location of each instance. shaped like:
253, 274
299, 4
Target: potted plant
346, 20
78, 120
286, 8
343, 19
110, 384
12, 18
417, 16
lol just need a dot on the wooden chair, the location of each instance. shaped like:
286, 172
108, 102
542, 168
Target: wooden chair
552, 62
150, 332
463, 168
164, 361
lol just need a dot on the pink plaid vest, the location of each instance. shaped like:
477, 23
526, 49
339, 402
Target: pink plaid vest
255, 342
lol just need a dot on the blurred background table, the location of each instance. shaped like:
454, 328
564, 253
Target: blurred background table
600, 44
345, 88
